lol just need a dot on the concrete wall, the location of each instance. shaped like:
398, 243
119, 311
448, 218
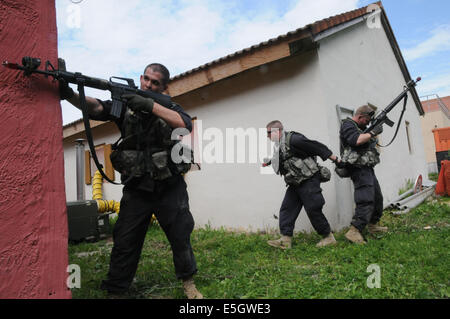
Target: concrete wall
33, 220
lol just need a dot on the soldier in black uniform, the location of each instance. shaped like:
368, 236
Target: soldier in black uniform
153, 183
360, 156
295, 159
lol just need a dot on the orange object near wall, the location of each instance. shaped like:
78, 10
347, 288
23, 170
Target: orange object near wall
33, 218
440, 186
442, 139
443, 183
446, 165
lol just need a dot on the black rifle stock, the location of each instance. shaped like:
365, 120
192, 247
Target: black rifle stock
382, 117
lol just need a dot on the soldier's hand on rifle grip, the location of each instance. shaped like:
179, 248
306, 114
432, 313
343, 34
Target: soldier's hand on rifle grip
138, 103
377, 130
65, 91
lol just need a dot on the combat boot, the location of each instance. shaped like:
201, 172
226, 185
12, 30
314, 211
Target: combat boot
354, 235
190, 290
374, 228
285, 242
326, 241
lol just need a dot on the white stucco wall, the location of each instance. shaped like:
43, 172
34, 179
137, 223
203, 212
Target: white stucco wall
238, 195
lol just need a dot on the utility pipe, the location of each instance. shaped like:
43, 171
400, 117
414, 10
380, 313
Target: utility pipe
79, 150
102, 204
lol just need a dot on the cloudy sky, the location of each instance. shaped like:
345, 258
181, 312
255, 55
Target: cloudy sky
102, 38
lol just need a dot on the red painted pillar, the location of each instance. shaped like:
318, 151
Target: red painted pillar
33, 220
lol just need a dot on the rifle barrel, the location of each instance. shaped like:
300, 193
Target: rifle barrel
383, 114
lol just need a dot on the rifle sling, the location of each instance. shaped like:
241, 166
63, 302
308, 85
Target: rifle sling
87, 128
405, 99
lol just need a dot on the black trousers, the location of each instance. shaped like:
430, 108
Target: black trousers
309, 195
368, 197
171, 208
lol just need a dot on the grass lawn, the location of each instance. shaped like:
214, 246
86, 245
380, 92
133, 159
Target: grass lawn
413, 260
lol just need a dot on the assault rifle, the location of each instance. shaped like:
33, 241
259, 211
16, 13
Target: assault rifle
30, 65
382, 118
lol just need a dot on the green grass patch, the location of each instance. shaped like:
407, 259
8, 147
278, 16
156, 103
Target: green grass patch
409, 184
433, 177
413, 258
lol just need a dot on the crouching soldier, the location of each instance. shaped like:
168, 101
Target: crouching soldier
294, 158
360, 156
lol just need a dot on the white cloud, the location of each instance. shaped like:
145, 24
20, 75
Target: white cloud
438, 42
248, 32
121, 37
434, 84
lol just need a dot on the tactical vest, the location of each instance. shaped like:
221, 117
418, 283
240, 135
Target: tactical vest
366, 157
145, 148
296, 170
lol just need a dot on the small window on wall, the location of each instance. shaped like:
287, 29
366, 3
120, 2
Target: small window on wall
103, 152
408, 136
342, 114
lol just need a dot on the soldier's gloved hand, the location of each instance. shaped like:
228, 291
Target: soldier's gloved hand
65, 91
338, 163
376, 130
138, 103
266, 162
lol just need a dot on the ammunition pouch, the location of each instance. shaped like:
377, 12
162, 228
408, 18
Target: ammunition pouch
325, 174
342, 172
160, 161
166, 168
182, 158
298, 170
365, 158
129, 162
146, 148
134, 163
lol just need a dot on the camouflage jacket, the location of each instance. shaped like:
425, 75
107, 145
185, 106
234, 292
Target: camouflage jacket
294, 169
365, 155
